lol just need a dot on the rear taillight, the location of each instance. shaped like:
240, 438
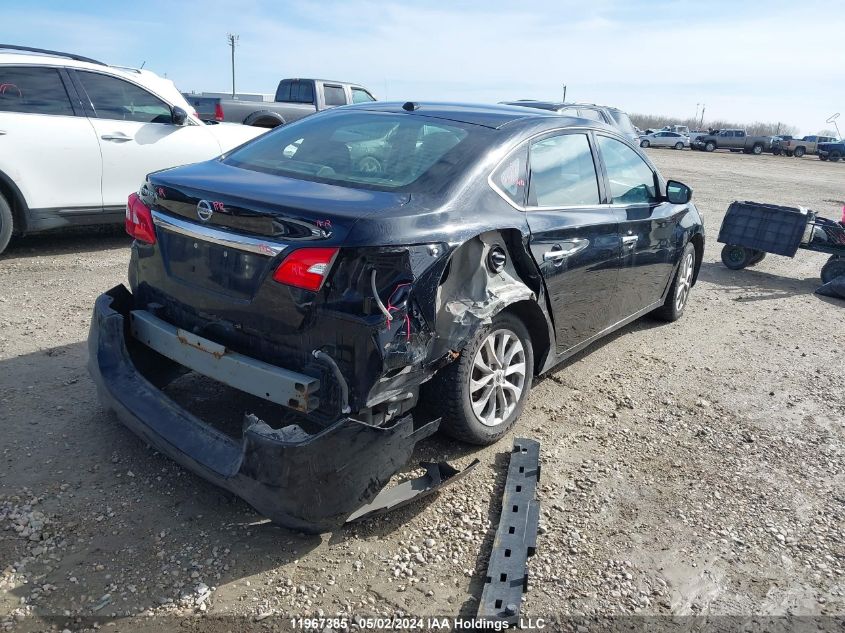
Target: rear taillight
139, 220
218, 112
306, 268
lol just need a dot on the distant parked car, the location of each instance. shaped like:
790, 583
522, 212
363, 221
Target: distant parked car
77, 135
294, 99
808, 145
734, 140
664, 139
605, 114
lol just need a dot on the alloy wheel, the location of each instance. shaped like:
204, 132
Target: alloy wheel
684, 282
497, 380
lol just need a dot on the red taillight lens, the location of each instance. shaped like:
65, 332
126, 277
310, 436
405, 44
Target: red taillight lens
306, 268
139, 220
218, 112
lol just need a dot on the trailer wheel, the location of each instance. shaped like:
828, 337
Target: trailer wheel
709, 146
799, 152
834, 157
758, 257
736, 257
835, 267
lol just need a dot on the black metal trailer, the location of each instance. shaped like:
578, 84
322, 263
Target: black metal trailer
750, 230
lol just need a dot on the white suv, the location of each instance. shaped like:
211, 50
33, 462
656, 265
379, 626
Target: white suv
77, 136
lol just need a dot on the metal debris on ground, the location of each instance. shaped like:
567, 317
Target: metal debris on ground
516, 536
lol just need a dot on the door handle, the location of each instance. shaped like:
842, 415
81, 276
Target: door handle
629, 240
115, 137
565, 249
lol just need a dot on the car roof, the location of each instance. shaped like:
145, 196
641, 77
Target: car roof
554, 105
492, 116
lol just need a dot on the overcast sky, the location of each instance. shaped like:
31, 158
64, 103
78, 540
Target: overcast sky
747, 61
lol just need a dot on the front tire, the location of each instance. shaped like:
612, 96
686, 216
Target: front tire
6, 224
644, 143
678, 296
482, 394
822, 157
709, 146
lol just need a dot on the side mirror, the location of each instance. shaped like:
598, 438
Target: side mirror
178, 116
678, 192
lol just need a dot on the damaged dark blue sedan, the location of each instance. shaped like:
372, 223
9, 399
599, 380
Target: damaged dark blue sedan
363, 276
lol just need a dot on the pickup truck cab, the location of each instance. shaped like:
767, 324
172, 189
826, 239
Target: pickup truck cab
294, 99
808, 145
734, 140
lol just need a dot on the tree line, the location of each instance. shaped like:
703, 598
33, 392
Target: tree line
758, 128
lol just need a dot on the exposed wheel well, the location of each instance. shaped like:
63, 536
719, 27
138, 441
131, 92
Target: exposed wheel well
15, 199
697, 242
264, 119
535, 322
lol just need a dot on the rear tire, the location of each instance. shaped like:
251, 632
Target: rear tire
790, 153
482, 394
678, 295
679, 145
736, 257
6, 224
834, 157
644, 143
799, 152
835, 267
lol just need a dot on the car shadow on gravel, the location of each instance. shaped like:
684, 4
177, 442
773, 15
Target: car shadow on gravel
749, 285
124, 511
61, 242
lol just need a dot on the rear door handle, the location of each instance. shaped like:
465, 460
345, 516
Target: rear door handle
565, 249
629, 240
116, 137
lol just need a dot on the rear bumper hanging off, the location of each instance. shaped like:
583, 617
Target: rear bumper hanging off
310, 482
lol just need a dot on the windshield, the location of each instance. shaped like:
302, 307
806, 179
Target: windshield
623, 121
364, 149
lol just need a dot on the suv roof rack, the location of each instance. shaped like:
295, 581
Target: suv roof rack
44, 51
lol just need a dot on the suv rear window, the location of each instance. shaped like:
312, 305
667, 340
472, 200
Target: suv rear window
33, 90
369, 150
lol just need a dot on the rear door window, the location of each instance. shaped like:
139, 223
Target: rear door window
33, 90
334, 95
631, 179
114, 98
562, 172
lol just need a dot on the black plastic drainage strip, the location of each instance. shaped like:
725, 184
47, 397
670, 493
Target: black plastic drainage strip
516, 537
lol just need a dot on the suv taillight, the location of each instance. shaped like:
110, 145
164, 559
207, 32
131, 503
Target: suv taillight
139, 220
306, 268
218, 112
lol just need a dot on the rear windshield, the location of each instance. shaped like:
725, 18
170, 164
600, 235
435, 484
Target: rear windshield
622, 121
365, 149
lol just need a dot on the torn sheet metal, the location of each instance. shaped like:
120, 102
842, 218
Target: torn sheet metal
834, 288
516, 536
437, 475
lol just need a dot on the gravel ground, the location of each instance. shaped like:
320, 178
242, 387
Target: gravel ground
690, 468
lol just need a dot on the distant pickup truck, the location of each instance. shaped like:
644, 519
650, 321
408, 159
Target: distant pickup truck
797, 147
734, 140
294, 99
832, 151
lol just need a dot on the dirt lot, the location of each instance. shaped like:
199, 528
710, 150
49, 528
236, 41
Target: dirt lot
691, 468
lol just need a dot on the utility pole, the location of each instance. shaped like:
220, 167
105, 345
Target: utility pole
697, 106
702, 116
564, 93
233, 40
